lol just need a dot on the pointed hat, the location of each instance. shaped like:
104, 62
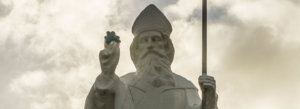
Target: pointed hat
151, 18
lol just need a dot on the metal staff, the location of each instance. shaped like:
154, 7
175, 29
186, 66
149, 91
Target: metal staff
204, 48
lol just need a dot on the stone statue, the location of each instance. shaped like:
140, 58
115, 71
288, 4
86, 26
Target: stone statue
153, 85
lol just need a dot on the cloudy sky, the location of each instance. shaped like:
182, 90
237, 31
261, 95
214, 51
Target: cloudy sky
49, 49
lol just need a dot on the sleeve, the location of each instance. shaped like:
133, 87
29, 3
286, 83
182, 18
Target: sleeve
193, 99
108, 93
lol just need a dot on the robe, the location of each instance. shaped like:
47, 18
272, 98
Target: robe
128, 92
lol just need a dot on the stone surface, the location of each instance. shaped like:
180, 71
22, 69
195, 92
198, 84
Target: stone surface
153, 85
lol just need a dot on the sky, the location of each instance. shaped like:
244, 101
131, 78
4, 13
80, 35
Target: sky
49, 49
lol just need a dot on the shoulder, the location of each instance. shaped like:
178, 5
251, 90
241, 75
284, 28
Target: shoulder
183, 82
128, 78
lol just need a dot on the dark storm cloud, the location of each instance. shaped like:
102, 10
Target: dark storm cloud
5, 9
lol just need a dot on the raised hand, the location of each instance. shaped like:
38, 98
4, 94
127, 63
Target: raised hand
109, 58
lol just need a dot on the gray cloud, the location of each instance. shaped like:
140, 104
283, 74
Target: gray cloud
295, 1
124, 12
257, 63
215, 13
259, 54
5, 9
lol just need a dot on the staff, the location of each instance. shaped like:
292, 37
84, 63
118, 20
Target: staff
204, 47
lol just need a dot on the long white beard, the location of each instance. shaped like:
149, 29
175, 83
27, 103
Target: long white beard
154, 68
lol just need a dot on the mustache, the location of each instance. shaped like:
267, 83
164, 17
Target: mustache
157, 52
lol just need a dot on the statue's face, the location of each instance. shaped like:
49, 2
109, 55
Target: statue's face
153, 62
151, 40
151, 44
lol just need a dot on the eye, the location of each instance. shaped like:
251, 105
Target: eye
145, 40
153, 39
156, 38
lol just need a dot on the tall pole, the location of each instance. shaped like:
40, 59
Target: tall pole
204, 48
204, 38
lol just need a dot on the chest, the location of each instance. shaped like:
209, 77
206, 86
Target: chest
158, 98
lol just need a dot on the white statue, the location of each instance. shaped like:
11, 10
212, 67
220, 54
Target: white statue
153, 85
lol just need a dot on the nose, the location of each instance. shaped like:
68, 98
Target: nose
150, 44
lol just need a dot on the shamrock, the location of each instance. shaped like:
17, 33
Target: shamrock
111, 36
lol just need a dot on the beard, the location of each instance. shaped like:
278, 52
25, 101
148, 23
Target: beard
153, 66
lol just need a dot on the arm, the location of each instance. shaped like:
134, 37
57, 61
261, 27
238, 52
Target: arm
108, 93
105, 92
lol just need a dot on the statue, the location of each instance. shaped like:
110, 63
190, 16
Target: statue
153, 85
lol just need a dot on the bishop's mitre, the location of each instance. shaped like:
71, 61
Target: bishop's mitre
151, 18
